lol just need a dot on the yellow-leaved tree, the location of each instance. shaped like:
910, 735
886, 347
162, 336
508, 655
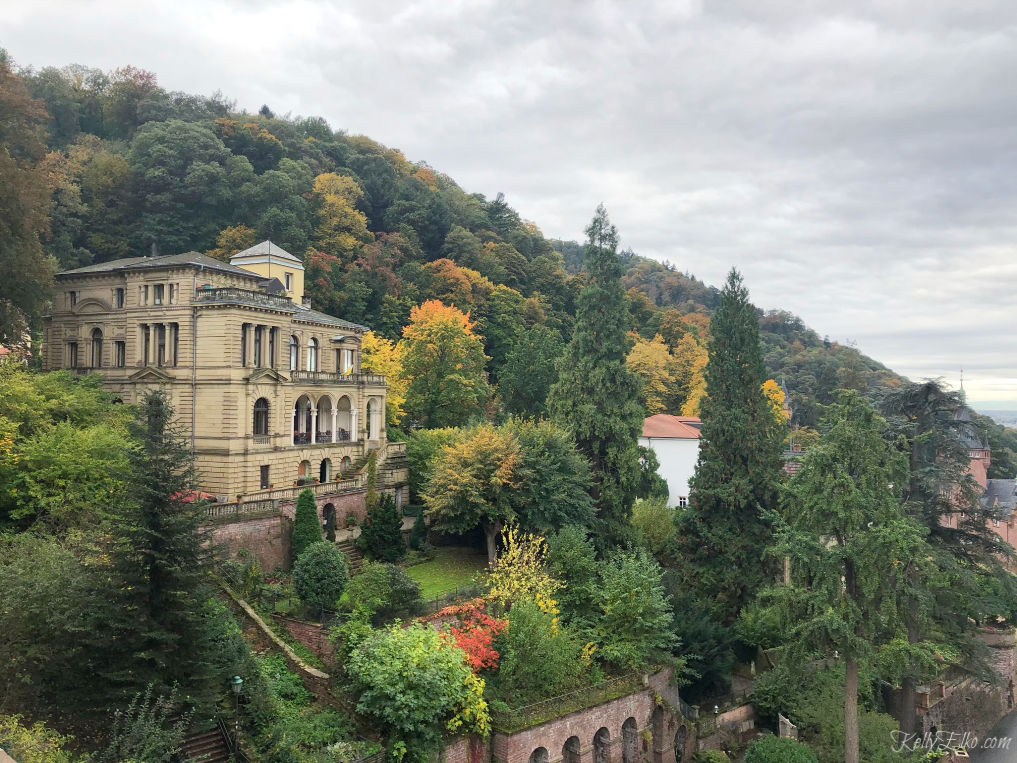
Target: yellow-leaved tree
775, 396
521, 572
381, 356
342, 228
691, 356
650, 360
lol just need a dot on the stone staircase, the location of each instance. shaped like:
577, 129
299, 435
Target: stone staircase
349, 548
205, 747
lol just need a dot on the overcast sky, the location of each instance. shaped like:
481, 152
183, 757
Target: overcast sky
856, 161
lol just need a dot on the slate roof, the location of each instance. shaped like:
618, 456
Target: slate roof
167, 260
1000, 494
307, 314
664, 425
266, 248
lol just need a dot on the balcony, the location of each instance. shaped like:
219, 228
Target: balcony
328, 377
234, 296
322, 438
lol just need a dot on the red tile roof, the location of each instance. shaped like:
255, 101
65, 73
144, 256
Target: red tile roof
677, 427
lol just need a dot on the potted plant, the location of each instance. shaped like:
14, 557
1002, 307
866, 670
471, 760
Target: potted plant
351, 521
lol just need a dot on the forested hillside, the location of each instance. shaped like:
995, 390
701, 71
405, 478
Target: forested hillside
133, 168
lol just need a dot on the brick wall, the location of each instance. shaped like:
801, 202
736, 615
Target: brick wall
266, 538
311, 635
650, 736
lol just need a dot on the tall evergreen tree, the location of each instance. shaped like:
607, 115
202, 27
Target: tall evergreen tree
722, 536
596, 396
160, 562
849, 544
932, 426
306, 528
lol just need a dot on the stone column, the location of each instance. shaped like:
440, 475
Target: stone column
354, 434
314, 423
293, 425
335, 423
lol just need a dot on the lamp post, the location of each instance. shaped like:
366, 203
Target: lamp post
237, 684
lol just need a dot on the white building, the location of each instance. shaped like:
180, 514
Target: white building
675, 441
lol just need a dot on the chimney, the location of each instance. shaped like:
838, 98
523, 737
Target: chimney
306, 301
155, 250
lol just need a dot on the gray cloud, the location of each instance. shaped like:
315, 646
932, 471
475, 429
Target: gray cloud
855, 161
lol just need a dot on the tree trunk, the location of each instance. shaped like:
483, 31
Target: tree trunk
909, 694
851, 711
491, 530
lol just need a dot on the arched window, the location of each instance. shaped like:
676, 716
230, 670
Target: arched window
294, 353
312, 354
539, 755
602, 746
96, 348
630, 741
261, 416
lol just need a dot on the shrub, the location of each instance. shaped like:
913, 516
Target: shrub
144, 731
538, 658
306, 529
382, 591
418, 535
381, 537
711, 756
416, 682
320, 575
573, 560
655, 521
771, 749
33, 744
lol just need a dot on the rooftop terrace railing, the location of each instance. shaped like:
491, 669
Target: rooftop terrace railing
233, 295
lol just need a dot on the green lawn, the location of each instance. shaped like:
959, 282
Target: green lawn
452, 567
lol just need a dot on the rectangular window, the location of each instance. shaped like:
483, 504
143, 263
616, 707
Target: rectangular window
158, 291
144, 295
118, 298
146, 343
72, 297
175, 343
257, 346
264, 477
119, 354
683, 501
347, 361
243, 343
161, 343
72, 355
289, 281
271, 348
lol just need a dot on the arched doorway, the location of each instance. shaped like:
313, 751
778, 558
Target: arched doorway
331, 520
325, 471
630, 741
302, 420
539, 755
602, 745
304, 470
345, 467
96, 348
324, 420
679, 745
570, 750
344, 420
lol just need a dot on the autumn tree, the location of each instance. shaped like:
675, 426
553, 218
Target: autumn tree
232, 239
595, 397
722, 535
25, 270
381, 356
652, 363
342, 228
471, 485
690, 358
443, 362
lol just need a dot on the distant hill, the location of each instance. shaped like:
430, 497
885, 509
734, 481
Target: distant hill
137, 167
1006, 418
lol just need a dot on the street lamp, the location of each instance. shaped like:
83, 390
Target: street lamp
237, 684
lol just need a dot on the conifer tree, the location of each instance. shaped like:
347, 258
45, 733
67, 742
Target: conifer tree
160, 563
381, 537
306, 529
596, 395
722, 536
933, 428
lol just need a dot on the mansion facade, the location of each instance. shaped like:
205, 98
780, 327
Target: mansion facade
269, 391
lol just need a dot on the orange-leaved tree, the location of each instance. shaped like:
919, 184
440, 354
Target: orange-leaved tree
443, 362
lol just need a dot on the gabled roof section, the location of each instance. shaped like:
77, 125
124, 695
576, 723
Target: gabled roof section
265, 249
1000, 494
192, 259
664, 425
